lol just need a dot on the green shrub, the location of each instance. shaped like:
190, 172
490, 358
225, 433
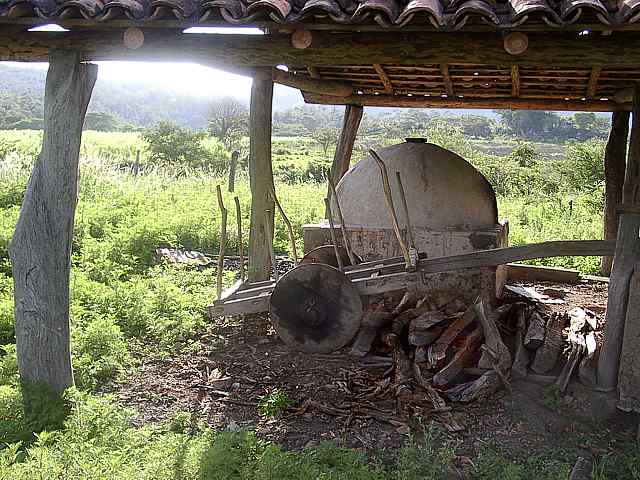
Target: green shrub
99, 352
274, 403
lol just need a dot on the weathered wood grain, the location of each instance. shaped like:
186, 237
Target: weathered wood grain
629, 375
626, 256
615, 162
261, 177
40, 249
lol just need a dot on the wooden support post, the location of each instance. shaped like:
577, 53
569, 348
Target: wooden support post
233, 165
626, 256
384, 78
446, 79
615, 158
41, 246
261, 177
222, 241
593, 81
344, 149
629, 376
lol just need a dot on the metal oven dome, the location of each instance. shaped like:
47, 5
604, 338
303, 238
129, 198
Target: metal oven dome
443, 190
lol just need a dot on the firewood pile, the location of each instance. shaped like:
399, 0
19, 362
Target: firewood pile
439, 351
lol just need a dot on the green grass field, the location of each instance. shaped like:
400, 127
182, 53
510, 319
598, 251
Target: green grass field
124, 308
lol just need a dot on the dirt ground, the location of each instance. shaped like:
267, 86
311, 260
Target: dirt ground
238, 363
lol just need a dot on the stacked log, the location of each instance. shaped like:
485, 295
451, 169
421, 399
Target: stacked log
445, 349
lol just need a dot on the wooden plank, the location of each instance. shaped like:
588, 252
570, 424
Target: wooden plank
493, 102
261, 177
593, 81
538, 273
626, 256
40, 249
615, 163
515, 81
313, 72
629, 377
384, 78
560, 49
446, 78
244, 306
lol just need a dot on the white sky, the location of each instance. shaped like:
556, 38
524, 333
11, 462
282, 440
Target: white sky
185, 78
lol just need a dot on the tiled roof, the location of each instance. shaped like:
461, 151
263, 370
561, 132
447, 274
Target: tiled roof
438, 14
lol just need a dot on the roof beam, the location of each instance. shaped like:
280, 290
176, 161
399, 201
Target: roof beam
384, 78
326, 87
593, 81
621, 49
446, 78
466, 102
515, 81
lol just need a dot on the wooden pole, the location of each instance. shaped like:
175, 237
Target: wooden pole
334, 239
41, 246
261, 177
285, 219
615, 158
626, 256
343, 228
344, 149
272, 254
629, 375
233, 165
223, 241
239, 227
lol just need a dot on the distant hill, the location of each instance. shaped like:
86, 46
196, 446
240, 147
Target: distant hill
138, 104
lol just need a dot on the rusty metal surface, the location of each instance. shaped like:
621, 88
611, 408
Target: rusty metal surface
315, 308
438, 14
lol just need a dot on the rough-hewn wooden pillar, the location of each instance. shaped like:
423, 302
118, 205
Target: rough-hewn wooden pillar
626, 256
261, 177
615, 160
629, 375
344, 148
41, 246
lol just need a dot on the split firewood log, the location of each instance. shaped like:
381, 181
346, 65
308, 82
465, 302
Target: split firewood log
480, 389
403, 373
438, 350
587, 370
461, 358
406, 302
578, 346
536, 330
421, 331
496, 355
372, 321
547, 355
521, 354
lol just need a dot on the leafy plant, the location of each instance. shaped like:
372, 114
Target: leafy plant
274, 403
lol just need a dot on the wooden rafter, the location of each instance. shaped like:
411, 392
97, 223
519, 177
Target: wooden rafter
593, 81
446, 78
384, 78
515, 81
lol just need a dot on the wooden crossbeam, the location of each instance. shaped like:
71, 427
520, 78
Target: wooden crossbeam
515, 81
562, 49
388, 87
446, 78
593, 81
434, 101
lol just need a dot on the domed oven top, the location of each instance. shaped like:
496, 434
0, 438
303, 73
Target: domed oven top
443, 190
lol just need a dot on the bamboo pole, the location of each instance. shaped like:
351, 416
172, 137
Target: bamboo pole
223, 241
239, 226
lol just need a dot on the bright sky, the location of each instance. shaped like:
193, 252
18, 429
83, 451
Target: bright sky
183, 77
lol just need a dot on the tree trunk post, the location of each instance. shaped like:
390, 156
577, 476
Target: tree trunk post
344, 148
261, 177
615, 158
41, 246
626, 255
